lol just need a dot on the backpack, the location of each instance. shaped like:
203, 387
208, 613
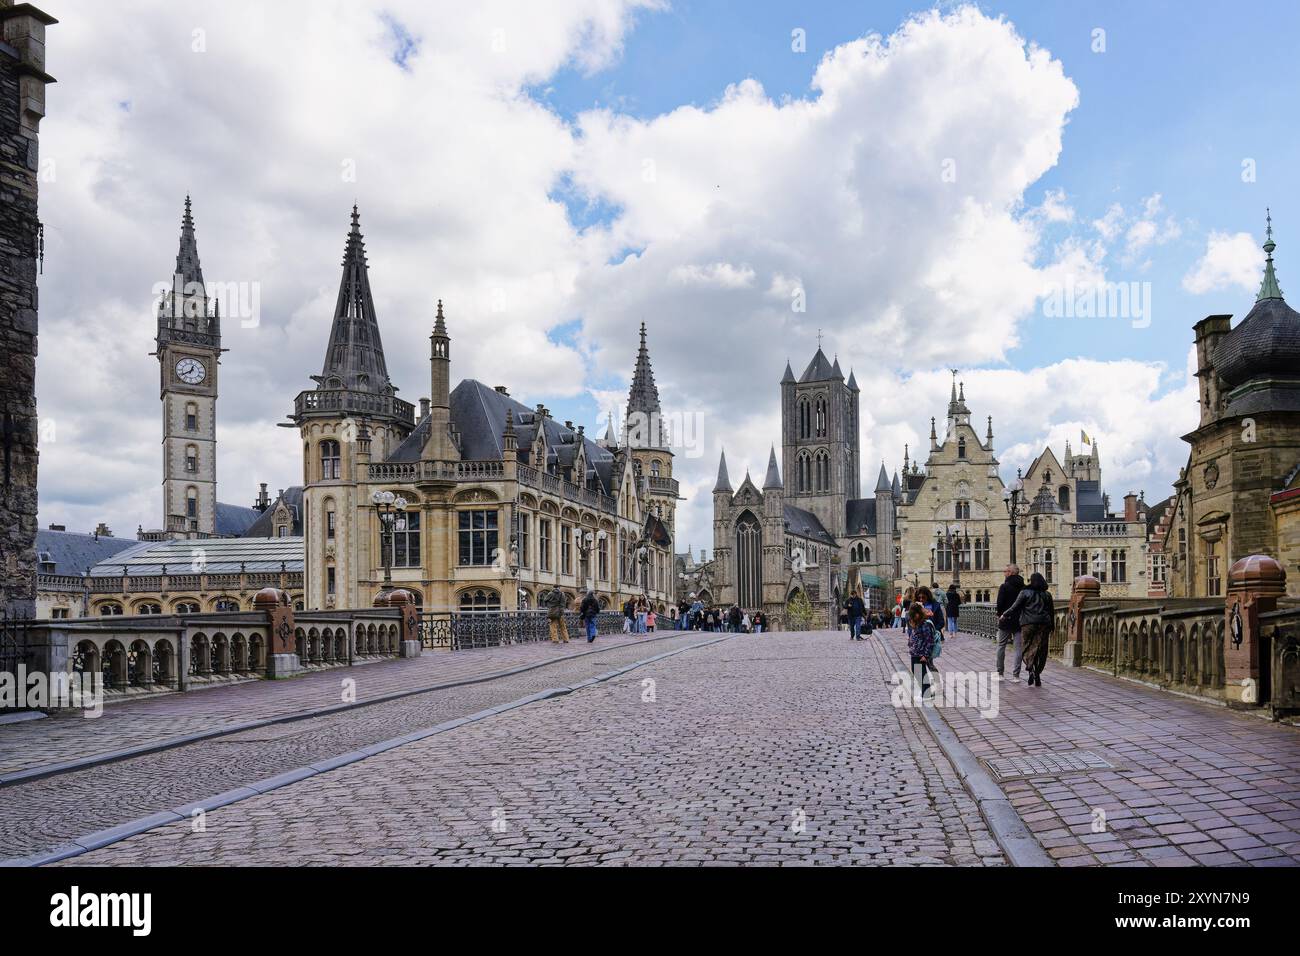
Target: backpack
937, 647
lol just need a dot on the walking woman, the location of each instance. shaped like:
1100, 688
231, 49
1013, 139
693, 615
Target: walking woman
1037, 621
920, 646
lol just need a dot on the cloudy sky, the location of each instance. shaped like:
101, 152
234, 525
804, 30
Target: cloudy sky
922, 187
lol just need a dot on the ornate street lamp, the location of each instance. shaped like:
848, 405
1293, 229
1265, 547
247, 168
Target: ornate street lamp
391, 510
1017, 507
933, 548
586, 540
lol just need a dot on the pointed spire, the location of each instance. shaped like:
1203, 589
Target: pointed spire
187, 256
882, 483
895, 486
723, 482
773, 480
643, 427
439, 321
1269, 289
788, 377
819, 369
355, 355
853, 382
906, 459
988, 436
835, 369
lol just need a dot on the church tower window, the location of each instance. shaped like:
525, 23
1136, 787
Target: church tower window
749, 555
961, 447
191, 459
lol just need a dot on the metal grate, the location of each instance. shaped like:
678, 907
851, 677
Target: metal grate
1048, 764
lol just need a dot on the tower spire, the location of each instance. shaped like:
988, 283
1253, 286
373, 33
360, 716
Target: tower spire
187, 256
723, 483
773, 480
642, 427
1269, 289
355, 355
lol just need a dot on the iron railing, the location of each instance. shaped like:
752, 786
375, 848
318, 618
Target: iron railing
467, 630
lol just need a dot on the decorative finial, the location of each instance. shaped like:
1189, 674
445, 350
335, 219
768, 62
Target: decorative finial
1269, 289
819, 339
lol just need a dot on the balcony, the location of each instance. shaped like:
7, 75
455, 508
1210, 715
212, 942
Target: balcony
322, 401
663, 486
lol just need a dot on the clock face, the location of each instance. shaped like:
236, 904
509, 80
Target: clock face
191, 371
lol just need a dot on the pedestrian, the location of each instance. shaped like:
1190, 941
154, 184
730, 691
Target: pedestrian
734, 619
954, 603
759, 621
897, 623
650, 621
925, 597
1009, 630
589, 611
642, 608
1037, 621
629, 616
856, 609
746, 623
556, 602
922, 635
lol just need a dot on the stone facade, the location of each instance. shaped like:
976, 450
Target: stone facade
810, 534
22, 105
1231, 499
955, 526
502, 504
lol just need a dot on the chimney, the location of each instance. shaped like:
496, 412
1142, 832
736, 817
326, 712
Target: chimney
568, 425
1130, 507
263, 499
101, 531
424, 408
501, 390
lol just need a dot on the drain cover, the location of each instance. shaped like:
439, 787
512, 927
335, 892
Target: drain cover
1049, 764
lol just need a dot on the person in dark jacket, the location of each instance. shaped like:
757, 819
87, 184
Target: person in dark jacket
1009, 631
921, 635
934, 609
954, 603
589, 610
1037, 620
856, 608
733, 618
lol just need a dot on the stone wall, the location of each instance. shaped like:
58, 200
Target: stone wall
22, 83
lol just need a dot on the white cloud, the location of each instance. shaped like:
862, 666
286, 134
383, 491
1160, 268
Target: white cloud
891, 200
1230, 261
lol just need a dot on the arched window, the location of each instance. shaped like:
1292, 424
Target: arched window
805, 419
110, 608
148, 608
961, 447
191, 416
1063, 497
330, 461
191, 502
749, 561
187, 607
191, 458
821, 418
654, 468
480, 599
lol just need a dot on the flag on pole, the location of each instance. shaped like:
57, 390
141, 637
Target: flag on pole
1083, 435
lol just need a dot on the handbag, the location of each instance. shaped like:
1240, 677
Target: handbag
937, 647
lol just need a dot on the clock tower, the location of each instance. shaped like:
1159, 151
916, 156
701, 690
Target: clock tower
189, 346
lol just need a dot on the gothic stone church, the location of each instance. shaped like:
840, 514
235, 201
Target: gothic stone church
812, 533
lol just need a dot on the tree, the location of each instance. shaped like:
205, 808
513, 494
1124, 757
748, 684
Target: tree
799, 613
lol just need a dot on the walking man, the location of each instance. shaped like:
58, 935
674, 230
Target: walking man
1009, 630
588, 611
856, 609
954, 603
555, 605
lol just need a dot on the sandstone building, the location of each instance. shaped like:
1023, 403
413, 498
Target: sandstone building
1239, 491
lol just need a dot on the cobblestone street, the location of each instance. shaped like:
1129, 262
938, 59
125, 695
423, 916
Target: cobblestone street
777, 748
782, 748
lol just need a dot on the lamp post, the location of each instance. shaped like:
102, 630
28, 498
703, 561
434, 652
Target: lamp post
389, 508
586, 540
1017, 507
643, 558
932, 552
952, 536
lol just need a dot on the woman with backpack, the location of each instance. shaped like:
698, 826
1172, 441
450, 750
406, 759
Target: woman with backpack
921, 640
1037, 621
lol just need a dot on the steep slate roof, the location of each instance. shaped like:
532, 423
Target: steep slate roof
1088, 503
233, 520
806, 524
479, 413
724, 482
1155, 512
73, 553
859, 516
264, 526
643, 399
355, 354
773, 479
819, 369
